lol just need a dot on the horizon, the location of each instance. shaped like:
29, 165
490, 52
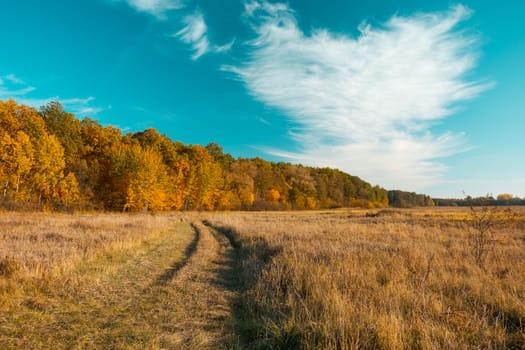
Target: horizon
418, 97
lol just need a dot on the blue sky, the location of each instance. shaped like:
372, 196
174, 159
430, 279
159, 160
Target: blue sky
414, 95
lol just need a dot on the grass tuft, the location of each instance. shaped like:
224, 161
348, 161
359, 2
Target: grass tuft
8, 266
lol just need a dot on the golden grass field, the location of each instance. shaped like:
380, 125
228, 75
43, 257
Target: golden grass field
345, 279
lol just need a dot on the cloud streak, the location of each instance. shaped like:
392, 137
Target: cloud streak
195, 31
157, 8
12, 87
365, 104
195, 34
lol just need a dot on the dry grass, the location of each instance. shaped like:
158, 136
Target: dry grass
42, 244
389, 279
114, 281
343, 279
103, 285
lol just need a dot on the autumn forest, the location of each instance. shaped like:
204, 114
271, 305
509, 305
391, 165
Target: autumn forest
52, 160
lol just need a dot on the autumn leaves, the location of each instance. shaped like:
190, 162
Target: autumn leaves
32, 165
51, 159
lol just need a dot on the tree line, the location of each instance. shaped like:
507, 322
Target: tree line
51, 159
503, 199
403, 199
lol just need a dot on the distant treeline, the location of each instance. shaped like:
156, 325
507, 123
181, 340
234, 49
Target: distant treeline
402, 199
500, 200
50, 159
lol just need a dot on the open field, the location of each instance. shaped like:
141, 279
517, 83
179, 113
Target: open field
340, 279
394, 279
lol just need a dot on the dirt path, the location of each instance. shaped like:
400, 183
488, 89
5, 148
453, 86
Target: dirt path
173, 292
206, 288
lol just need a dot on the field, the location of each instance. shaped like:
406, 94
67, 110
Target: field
345, 279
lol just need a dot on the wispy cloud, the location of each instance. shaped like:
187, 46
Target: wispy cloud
365, 104
80, 106
263, 121
195, 30
195, 34
11, 78
12, 87
157, 8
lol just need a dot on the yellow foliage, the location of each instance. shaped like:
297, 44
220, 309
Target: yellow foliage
505, 196
311, 203
146, 189
274, 195
68, 190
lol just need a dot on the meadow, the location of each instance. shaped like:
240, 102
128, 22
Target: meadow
343, 279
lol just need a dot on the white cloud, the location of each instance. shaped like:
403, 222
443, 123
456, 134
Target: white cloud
365, 104
80, 106
195, 31
157, 8
195, 34
12, 87
12, 79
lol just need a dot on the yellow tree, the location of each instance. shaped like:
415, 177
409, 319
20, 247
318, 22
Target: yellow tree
67, 190
16, 160
24, 159
15, 117
146, 190
206, 180
8, 120
6, 162
504, 196
48, 168
178, 176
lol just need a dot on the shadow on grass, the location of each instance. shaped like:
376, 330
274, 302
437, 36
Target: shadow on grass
170, 272
253, 326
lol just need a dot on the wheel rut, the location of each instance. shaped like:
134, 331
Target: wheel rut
205, 288
169, 273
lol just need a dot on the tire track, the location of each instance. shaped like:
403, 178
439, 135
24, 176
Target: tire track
205, 320
169, 273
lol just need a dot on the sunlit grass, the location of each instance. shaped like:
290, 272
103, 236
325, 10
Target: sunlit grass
52, 243
343, 279
96, 287
383, 279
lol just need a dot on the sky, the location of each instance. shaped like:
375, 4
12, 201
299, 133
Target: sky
423, 96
